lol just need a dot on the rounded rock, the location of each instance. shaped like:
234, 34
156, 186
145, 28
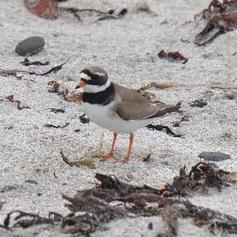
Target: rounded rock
30, 46
214, 156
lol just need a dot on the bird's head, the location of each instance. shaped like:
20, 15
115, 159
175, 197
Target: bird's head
93, 79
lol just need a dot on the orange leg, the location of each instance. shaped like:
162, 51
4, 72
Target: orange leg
111, 151
126, 158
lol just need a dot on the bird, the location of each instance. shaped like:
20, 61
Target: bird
116, 108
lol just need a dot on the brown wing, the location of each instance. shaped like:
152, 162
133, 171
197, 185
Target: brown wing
129, 95
135, 111
134, 106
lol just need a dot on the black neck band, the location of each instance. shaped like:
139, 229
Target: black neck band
101, 98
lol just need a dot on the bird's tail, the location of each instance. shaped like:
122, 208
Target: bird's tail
164, 109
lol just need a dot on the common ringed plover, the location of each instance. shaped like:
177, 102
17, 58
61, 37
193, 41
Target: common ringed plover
117, 108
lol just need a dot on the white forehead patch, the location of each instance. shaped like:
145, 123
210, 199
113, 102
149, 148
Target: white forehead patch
101, 74
85, 76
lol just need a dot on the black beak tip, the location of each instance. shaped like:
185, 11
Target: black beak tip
77, 87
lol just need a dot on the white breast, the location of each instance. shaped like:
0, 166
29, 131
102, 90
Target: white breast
105, 117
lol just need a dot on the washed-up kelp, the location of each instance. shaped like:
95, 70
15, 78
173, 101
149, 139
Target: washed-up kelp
221, 17
113, 199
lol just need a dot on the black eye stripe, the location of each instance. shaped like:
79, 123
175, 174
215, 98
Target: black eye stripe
95, 79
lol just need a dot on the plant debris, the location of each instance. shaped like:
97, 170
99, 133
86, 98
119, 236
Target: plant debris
82, 162
47, 125
161, 127
156, 85
13, 72
30, 219
144, 8
57, 110
47, 9
221, 17
147, 158
27, 62
53, 86
172, 56
202, 177
198, 103
170, 218
72, 97
18, 103
52, 70
113, 199
102, 15
183, 119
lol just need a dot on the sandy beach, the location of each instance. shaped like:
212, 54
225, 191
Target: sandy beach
32, 173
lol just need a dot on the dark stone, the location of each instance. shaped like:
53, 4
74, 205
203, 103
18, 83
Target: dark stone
29, 46
231, 96
150, 226
214, 156
198, 103
31, 181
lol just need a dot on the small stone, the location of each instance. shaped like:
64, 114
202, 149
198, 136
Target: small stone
231, 96
214, 156
30, 46
150, 226
198, 103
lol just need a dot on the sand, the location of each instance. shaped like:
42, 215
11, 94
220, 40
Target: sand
127, 49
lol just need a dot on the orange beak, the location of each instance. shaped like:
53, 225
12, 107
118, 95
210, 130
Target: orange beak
81, 84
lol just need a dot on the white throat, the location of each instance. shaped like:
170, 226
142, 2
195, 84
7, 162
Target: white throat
95, 89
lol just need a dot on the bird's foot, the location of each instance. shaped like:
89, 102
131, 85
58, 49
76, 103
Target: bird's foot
125, 160
107, 156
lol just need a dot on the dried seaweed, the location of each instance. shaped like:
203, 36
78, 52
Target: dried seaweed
18, 103
52, 70
221, 17
147, 158
25, 223
201, 178
27, 62
157, 85
184, 118
82, 162
80, 223
102, 15
90, 208
198, 103
111, 15
47, 125
71, 97
144, 8
53, 86
172, 56
13, 72
57, 110
161, 127
170, 218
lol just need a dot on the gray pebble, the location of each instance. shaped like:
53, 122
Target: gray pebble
29, 46
231, 96
214, 156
